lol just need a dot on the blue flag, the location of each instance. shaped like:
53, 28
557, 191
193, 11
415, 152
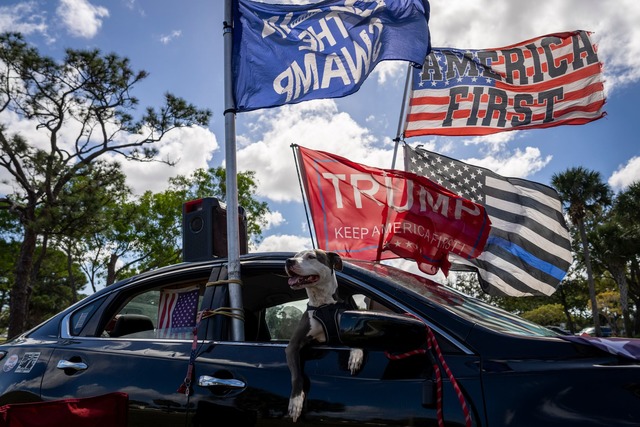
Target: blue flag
284, 54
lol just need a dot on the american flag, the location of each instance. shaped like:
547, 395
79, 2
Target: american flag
528, 251
625, 347
177, 312
543, 82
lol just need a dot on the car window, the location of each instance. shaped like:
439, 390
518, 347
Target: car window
272, 310
159, 313
466, 307
282, 319
80, 318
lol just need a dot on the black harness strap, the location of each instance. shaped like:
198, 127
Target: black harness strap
327, 315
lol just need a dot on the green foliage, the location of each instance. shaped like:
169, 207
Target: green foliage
52, 291
212, 183
146, 232
51, 287
548, 314
8, 254
83, 111
582, 192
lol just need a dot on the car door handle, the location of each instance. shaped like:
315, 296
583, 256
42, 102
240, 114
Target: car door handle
208, 381
76, 366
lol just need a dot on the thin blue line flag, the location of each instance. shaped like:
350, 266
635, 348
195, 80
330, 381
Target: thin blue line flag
285, 54
528, 251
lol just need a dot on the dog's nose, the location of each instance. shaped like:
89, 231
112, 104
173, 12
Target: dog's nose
290, 262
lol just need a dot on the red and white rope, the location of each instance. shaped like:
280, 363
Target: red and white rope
432, 345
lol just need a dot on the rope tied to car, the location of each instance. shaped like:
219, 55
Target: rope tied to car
224, 282
186, 387
232, 312
433, 347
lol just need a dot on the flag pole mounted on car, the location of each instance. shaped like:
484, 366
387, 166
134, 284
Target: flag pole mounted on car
233, 228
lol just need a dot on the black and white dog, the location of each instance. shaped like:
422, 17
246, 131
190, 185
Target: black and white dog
314, 270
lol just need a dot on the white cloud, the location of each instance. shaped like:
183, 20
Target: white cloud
24, 18
314, 124
394, 72
191, 147
166, 39
626, 175
463, 24
274, 219
81, 18
518, 164
27, 130
284, 243
493, 143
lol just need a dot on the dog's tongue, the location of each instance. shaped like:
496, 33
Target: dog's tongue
294, 280
301, 280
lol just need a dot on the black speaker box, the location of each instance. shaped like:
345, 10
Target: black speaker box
204, 230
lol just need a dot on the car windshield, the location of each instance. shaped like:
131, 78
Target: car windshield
471, 309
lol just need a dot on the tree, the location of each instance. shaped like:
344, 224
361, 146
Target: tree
613, 248
548, 314
626, 213
84, 210
52, 285
82, 110
609, 303
212, 183
8, 252
583, 193
55, 287
145, 232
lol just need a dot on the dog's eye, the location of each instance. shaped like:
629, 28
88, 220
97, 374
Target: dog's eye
311, 256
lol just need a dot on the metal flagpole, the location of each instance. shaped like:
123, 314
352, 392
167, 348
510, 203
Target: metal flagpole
233, 228
395, 153
296, 159
399, 132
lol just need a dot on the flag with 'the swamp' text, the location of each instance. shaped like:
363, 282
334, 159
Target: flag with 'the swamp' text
288, 53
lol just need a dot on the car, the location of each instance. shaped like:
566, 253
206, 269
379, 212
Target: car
558, 329
605, 331
136, 338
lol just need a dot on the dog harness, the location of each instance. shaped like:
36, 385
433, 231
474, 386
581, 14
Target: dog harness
327, 315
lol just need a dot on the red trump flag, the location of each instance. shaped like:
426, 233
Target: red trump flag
368, 213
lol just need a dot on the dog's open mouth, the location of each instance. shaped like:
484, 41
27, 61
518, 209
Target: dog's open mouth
296, 281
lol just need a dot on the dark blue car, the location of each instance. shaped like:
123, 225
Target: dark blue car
136, 337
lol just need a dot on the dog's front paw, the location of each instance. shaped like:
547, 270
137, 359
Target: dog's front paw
356, 355
295, 406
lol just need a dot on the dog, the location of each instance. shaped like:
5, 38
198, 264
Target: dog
314, 270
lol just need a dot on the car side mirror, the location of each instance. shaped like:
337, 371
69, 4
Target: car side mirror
382, 331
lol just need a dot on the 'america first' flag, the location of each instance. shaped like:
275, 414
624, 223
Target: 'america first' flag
543, 82
289, 53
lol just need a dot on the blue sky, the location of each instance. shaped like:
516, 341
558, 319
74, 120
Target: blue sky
180, 44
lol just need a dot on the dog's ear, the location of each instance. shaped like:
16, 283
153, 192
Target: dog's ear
335, 261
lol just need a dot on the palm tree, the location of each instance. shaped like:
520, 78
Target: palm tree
583, 193
613, 248
626, 213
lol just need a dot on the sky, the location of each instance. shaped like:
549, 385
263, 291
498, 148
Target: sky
180, 44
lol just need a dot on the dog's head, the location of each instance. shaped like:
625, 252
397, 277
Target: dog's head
312, 267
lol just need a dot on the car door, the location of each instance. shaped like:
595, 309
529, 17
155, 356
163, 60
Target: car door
249, 381
132, 351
